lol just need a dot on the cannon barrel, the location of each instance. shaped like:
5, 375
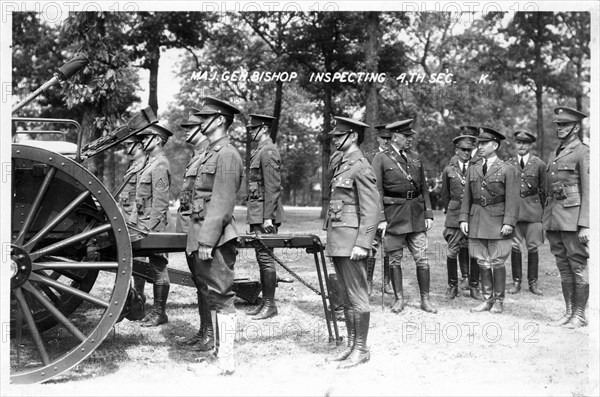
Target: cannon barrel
63, 73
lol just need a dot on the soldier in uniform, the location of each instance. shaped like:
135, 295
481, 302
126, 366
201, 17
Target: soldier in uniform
488, 216
151, 213
453, 188
264, 206
528, 231
566, 215
383, 140
203, 340
212, 235
351, 226
407, 213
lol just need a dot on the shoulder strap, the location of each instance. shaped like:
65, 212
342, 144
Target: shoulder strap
406, 174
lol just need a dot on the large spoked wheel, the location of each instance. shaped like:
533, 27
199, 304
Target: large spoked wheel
70, 264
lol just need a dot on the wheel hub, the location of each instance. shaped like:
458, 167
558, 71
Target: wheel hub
20, 267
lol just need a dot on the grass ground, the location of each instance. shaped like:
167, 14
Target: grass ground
453, 352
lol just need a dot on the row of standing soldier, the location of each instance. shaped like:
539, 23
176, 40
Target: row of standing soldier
383, 194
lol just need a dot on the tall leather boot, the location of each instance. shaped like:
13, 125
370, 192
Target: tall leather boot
269, 309
568, 291
474, 280
452, 291
360, 354
486, 289
192, 340
517, 271
499, 285
370, 270
423, 277
387, 287
463, 260
351, 331
582, 293
257, 309
206, 337
158, 314
396, 276
532, 272
139, 283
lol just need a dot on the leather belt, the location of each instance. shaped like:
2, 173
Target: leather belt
456, 198
484, 201
529, 192
409, 195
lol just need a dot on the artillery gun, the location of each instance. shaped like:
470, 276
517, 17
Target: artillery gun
71, 253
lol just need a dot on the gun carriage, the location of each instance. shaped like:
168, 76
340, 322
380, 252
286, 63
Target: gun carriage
71, 252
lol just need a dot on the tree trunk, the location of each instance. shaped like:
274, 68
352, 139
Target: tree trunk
540, 120
152, 64
96, 164
277, 109
371, 63
326, 149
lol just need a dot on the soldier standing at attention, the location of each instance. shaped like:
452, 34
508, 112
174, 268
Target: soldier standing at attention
137, 160
152, 213
566, 216
204, 339
383, 140
212, 235
528, 231
351, 225
407, 213
488, 216
264, 206
453, 189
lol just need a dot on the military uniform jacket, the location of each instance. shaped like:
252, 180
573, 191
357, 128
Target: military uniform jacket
568, 188
218, 179
490, 201
532, 182
405, 206
264, 185
370, 155
184, 212
453, 191
152, 194
354, 206
127, 196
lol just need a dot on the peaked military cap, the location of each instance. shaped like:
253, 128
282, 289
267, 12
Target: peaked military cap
382, 131
524, 136
489, 134
345, 125
567, 115
469, 130
211, 105
464, 141
402, 126
192, 119
156, 129
258, 120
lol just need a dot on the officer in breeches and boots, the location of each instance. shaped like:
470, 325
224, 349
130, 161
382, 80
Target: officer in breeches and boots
407, 213
264, 206
212, 236
453, 189
566, 215
383, 140
204, 339
152, 213
351, 224
488, 215
528, 232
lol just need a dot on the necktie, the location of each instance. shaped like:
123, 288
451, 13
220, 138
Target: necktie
485, 167
403, 156
463, 168
559, 149
522, 163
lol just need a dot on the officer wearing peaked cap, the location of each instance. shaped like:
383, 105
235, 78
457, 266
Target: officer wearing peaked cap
566, 215
407, 213
212, 235
488, 215
137, 160
152, 208
383, 136
203, 340
528, 232
264, 206
454, 180
351, 226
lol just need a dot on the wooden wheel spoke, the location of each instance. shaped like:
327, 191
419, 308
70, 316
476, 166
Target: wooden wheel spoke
33, 330
56, 266
35, 206
57, 219
54, 311
67, 288
69, 241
